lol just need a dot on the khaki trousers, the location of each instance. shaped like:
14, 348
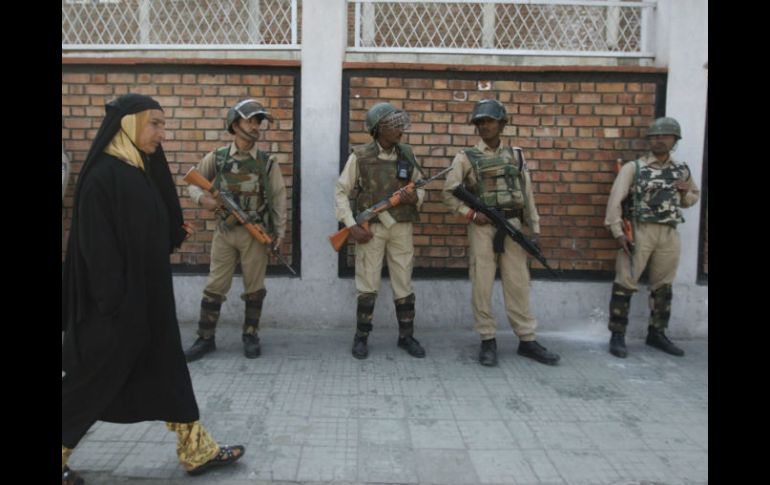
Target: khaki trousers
227, 248
657, 247
396, 245
515, 277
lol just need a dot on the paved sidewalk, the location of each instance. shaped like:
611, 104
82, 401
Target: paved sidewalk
308, 412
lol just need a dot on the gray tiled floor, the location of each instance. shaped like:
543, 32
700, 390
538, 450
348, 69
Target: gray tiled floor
310, 413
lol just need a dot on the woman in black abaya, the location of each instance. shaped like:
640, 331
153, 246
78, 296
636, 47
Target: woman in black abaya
122, 355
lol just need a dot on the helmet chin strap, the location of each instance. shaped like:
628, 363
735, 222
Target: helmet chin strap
244, 133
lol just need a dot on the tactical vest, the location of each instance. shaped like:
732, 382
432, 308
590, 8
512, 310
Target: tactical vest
499, 178
377, 179
656, 198
247, 182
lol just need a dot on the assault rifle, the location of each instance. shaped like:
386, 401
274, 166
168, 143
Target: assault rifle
338, 238
231, 208
502, 224
627, 206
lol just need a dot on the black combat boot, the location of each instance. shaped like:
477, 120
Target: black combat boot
535, 351
364, 313
488, 353
250, 345
656, 338
201, 347
360, 349
251, 322
211, 304
412, 346
618, 345
405, 317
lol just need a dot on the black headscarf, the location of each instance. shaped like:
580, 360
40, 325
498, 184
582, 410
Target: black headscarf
156, 167
156, 164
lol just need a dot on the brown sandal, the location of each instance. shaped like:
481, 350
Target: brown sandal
70, 477
227, 455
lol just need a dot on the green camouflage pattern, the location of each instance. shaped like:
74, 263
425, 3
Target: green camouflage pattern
665, 126
620, 304
377, 180
660, 307
211, 304
377, 113
246, 109
247, 182
657, 200
489, 108
499, 179
364, 313
253, 311
405, 315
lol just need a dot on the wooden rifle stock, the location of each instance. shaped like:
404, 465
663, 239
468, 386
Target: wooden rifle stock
628, 230
339, 238
196, 178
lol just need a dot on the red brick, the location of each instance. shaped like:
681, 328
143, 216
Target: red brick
584, 144
438, 95
526, 98
610, 87
586, 121
644, 99
584, 166
586, 98
374, 82
525, 120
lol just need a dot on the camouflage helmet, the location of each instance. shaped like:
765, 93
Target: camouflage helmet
665, 126
376, 113
246, 109
489, 108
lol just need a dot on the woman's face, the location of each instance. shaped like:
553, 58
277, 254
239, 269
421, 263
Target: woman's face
152, 134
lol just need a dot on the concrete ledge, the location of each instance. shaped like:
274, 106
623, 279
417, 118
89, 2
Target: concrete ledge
579, 308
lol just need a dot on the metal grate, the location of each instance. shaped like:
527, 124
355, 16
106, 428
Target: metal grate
180, 24
546, 27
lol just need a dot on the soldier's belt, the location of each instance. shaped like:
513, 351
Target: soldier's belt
511, 213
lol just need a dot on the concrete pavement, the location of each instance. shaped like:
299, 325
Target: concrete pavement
308, 413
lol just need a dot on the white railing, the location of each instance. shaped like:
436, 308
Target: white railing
179, 24
505, 27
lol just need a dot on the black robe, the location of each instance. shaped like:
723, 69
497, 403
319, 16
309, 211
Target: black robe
122, 353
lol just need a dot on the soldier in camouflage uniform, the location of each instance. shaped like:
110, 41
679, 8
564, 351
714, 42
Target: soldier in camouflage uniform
372, 173
497, 174
659, 187
254, 180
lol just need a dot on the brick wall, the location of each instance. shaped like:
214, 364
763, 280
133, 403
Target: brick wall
571, 125
195, 100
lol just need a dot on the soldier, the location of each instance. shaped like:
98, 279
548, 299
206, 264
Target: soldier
374, 172
659, 187
497, 174
255, 182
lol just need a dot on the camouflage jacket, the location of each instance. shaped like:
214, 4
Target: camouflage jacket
655, 198
369, 173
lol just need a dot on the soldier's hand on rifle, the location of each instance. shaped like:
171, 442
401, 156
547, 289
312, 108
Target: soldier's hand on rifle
681, 185
480, 219
209, 202
408, 196
276, 246
624, 244
360, 235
